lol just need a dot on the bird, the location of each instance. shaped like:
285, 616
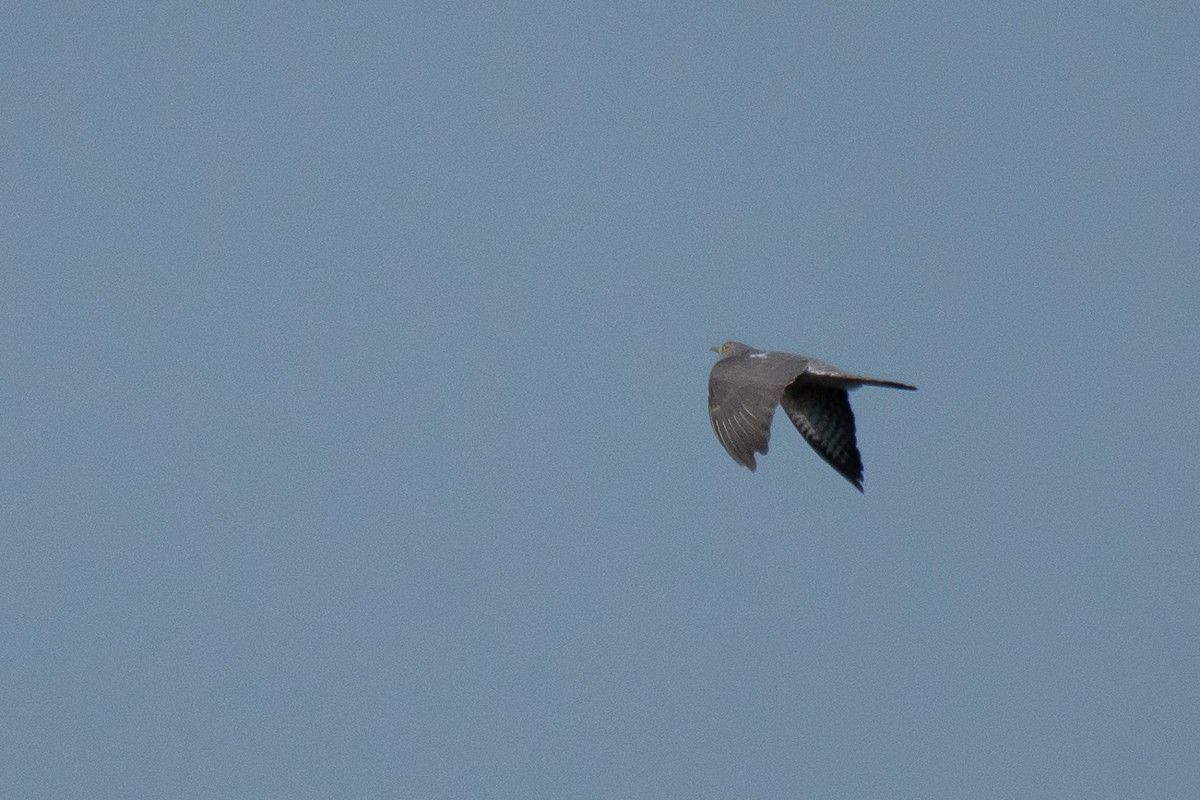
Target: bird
746, 384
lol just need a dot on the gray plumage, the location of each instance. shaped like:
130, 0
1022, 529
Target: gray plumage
746, 384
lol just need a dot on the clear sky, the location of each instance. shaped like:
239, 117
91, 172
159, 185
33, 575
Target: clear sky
354, 429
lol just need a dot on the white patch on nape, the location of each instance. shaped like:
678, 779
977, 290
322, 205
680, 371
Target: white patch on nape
759, 355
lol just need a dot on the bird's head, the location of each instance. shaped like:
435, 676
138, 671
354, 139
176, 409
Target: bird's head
727, 349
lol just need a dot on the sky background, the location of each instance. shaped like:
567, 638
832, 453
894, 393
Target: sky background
353, 427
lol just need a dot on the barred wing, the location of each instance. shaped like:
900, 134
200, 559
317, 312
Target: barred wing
823, 416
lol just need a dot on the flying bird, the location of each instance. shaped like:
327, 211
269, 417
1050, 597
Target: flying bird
746, 384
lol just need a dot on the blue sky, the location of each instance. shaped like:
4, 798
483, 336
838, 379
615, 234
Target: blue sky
354, 426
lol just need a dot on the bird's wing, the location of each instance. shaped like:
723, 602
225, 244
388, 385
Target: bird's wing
741, 416
823, 416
